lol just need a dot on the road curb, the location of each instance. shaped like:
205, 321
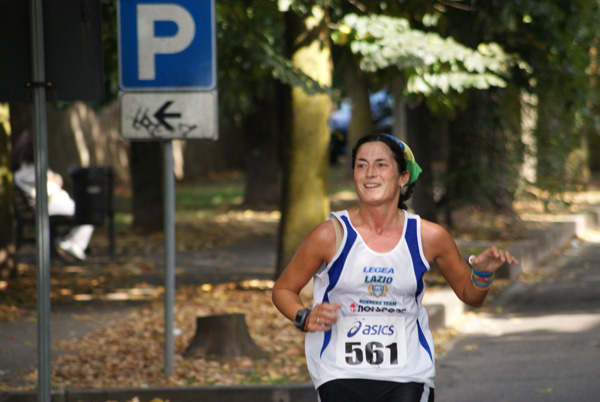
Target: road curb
277, 393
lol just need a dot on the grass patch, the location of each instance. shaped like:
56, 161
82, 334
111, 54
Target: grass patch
214, 196
221, 194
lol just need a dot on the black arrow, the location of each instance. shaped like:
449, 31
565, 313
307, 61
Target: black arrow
161, 115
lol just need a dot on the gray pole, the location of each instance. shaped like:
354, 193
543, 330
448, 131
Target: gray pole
169, 231
40, 148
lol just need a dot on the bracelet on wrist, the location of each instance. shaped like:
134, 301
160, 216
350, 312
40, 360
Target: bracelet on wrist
482, 283
482, 278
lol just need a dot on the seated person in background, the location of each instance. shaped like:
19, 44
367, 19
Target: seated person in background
59, 202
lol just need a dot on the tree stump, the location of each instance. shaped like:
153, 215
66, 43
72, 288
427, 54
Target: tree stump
224, 336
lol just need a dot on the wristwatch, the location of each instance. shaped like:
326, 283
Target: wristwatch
301, 317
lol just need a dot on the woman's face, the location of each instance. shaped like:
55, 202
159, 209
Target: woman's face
376, 175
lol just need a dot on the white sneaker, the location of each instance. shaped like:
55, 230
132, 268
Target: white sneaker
72, 249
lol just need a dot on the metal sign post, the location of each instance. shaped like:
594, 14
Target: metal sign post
42, 226
169, 229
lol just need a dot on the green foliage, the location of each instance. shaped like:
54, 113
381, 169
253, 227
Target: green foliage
474, 45
242, 27
302, 8
429, 61
283, 70
250, 38
554, 39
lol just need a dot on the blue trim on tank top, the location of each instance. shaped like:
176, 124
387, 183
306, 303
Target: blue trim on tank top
412, 240
336, 271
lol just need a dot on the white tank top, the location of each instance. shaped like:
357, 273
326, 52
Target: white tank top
383, 330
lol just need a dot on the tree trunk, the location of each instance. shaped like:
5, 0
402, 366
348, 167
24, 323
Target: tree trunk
413, 126
224, 336
262, 162
463, 175
357, 86
399, 108
305, 201
418, 133
7, 247
481, 171
593, 138
146, 183
506, 148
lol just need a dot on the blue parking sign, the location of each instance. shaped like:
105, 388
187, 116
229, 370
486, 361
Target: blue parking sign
167, 45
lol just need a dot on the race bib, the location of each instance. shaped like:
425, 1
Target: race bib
371, 341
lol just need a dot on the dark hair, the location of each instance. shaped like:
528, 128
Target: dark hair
398, 154
23, 151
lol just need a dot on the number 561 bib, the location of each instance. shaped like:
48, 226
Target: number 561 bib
371, 341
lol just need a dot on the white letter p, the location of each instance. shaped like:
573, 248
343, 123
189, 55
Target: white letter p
149, 45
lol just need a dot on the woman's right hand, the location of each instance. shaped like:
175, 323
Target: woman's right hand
322, 317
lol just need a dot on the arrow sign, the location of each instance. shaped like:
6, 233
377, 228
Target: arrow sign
161, 115
146, 115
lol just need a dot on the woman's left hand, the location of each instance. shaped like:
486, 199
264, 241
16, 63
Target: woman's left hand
491, 259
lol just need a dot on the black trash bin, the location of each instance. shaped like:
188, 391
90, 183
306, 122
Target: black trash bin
90, 193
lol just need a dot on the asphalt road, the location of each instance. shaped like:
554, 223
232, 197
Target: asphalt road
540, 342
18, 338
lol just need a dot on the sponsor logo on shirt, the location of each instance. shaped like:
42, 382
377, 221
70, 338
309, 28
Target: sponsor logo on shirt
378, 290
367, 329
385, 308
382, 275
379, 279
378, 270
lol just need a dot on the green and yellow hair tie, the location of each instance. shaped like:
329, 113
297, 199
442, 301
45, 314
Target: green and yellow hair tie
411, 164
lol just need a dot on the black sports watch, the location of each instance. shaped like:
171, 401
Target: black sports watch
301, 317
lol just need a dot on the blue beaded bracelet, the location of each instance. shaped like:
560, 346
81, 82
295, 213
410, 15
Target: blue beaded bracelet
482, 274
482, 285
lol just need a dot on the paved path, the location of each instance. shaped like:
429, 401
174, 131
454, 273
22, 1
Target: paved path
542, 344
18, 338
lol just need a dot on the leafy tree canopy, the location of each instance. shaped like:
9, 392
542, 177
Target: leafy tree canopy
430, 62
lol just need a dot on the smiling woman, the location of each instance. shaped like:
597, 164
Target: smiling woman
368, 336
